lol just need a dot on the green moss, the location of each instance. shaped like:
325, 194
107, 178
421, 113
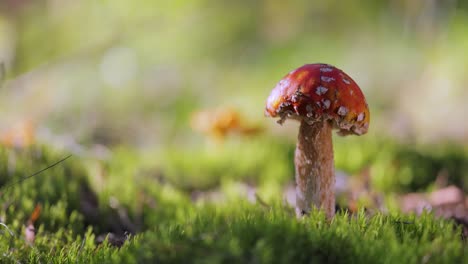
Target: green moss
243, 233
254, 161
173, 229
396, 167
252, 234
57, 189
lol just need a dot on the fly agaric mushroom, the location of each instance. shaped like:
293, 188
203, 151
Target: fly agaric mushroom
321, 97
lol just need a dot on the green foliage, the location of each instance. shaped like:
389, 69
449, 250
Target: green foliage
245, 233
57, 190
396, 167
393, 167
254, 161
174, 229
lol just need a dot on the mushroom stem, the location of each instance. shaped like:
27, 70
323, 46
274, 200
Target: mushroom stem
315, 176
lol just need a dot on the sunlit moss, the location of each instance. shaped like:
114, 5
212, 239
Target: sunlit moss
176, 228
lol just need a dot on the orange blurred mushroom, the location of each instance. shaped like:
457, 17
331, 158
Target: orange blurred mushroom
20, 135
219, 123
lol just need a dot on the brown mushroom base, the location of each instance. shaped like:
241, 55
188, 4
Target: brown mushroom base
315, 176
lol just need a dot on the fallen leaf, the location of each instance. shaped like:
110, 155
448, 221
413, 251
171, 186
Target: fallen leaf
447, 195
414, 202
36, 213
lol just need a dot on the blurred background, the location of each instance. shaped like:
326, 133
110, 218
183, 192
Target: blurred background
114, 72
172, 79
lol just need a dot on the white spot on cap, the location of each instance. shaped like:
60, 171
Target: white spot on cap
326, 104
326, 69
346, 81
284, 82
274, 97
360, 117
321, 90
342, 111
327, 79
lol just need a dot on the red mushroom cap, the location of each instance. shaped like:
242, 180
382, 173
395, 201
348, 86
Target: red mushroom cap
319, 92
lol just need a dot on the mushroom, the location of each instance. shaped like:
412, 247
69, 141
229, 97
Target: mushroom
218, 123
20, 135
321, 97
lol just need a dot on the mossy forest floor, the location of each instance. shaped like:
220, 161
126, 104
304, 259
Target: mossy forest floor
225, 204
160, 104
